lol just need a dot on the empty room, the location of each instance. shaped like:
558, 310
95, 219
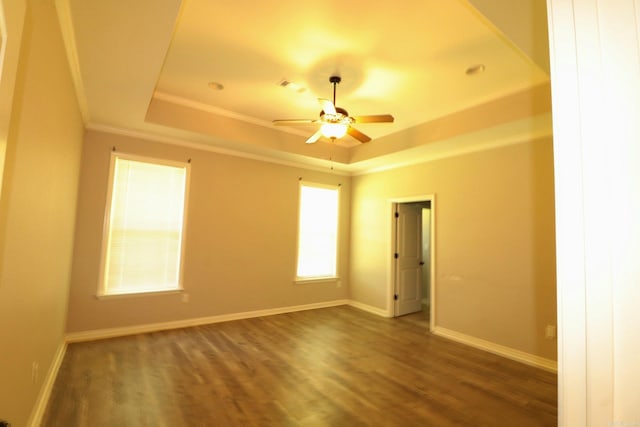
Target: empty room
270, 214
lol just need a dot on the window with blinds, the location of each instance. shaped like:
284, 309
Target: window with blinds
144, 237
317, 232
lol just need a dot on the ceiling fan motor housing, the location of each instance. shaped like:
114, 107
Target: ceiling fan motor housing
341, 116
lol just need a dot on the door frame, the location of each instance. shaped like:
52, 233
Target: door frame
391, 244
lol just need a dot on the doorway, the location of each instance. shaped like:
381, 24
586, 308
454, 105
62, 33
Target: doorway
413, 255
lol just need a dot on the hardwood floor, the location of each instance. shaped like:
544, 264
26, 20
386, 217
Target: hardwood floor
329, 367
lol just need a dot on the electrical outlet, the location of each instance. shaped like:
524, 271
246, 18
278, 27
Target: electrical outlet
550, 332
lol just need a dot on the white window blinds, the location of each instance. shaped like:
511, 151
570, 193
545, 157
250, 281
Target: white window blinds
318, 231
144, 235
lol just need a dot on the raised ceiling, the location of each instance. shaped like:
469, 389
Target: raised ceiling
145, 68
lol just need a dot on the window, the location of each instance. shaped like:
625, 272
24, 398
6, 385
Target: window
142, 247
317, 232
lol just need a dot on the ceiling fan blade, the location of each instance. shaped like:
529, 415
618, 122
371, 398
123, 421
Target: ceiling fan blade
313, 138
288, 122
378, 118
357, 134
327, 106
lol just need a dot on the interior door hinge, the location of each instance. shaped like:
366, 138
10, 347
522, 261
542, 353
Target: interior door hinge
395, 296
396, 255
397, 214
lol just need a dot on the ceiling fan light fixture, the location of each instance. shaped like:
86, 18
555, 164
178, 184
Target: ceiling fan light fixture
335, 122
334, 130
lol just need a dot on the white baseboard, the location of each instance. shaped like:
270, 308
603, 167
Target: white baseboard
500, 350
177, 324
520, 356
370, 308
47, 386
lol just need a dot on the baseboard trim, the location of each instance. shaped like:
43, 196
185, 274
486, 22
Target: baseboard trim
47, 387
98, 334
370, 308
510, 353
500, 350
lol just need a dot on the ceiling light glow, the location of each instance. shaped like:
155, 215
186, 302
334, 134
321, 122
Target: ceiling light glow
334, 130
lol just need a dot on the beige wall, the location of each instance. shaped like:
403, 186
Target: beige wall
241, 236
11, 37
494, 249
37, 212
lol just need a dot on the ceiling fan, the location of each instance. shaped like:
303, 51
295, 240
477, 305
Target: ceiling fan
334, 121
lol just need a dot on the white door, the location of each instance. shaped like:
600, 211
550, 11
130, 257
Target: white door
408, 278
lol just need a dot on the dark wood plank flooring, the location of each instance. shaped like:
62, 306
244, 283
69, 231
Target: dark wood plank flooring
329, 367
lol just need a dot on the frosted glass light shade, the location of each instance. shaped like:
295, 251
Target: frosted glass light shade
334, 130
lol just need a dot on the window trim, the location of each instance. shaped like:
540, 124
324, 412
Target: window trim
101, 292
313, 280
318, 279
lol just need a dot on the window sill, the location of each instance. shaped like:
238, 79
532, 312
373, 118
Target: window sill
138, 294
312, 280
